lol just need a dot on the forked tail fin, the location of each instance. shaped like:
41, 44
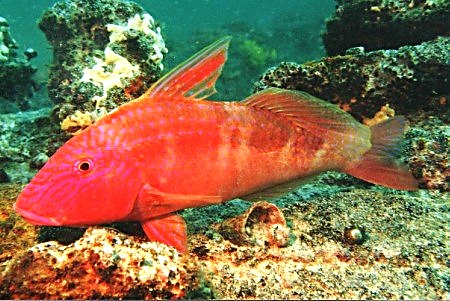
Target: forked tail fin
378, 165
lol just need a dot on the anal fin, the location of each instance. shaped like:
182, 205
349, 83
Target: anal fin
169, 229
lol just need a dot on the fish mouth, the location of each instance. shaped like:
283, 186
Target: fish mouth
35, 218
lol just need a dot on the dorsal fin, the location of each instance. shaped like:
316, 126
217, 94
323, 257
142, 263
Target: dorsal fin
194, 78
315, 115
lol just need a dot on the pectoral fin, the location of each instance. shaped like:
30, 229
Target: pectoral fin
152, 202
169, 229
155, 209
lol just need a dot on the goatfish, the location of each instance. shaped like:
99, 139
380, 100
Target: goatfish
172, 149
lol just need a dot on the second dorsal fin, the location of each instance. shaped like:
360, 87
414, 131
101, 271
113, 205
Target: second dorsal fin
315, 115
196, 77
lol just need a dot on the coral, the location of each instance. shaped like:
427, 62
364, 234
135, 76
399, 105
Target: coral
409, 79
102, 48
385, 24
263, 223
77, 122
16, 83
121, 69
102, 264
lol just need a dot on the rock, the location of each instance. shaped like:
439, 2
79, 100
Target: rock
384, 83
30, 53
103, 264
3, 176
402, 256
428, 152
24, 138
39, 160
386, 24
122, 51
409, 79
16, 235
403, 253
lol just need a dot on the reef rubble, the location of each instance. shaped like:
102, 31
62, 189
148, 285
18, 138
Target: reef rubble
101, 264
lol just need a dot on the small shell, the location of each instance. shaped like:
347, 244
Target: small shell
354, 236
263, 223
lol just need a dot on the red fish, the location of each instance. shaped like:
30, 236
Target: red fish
171, 149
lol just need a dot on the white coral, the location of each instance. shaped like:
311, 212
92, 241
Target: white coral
146, 25
121, 69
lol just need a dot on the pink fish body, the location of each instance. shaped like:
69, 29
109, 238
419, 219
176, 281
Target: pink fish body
170, 149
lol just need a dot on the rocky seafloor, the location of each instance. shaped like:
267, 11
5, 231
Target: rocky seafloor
347, 240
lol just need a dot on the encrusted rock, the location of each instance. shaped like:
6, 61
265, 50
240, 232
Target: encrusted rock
263, 223
102, 264
408, 79
25, 137
106, 52
385, 24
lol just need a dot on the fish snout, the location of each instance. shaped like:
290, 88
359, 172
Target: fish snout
33, 217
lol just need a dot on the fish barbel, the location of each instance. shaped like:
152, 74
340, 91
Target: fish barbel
171, 149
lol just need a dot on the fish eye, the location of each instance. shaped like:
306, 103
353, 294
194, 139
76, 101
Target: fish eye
84, 165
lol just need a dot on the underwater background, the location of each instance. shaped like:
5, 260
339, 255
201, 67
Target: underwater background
338, 237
